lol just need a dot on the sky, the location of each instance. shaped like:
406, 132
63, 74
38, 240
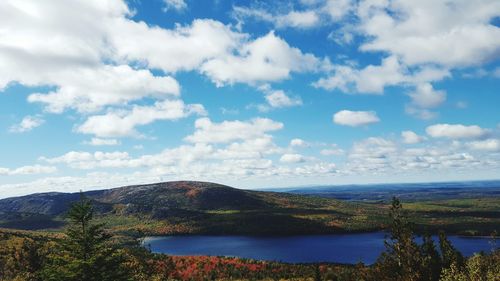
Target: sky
103, 93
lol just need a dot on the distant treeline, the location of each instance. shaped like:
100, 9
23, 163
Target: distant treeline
87, 252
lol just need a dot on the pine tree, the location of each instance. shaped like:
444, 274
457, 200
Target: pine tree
449, 254
431, 260
402, 259
85, 254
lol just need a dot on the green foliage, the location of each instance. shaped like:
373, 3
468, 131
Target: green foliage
431, 260
450, 255
479, 267
20, 258
86, 251
403, 258
85, 254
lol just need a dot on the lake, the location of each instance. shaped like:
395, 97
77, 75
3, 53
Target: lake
336, 248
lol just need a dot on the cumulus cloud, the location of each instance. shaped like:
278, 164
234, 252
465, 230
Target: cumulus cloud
410, 137
123, 123
298, 143
373, 79
292, 158
27, 124
277, 99
67, 44
185, 47
486, 145
338, 9
28, 170
226, 131
87, 160
266, 59
89, 68
280, 99
455, 131
355, 118
91, 89
416, 39
429, 31
425, 96
379, 156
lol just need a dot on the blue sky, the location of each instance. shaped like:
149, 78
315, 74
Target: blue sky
99, 94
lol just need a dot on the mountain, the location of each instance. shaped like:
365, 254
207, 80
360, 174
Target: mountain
186, 207
189, 207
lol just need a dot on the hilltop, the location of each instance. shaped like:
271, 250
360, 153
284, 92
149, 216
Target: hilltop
189, 207
192, 207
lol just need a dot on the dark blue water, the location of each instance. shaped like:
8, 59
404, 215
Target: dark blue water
338, 248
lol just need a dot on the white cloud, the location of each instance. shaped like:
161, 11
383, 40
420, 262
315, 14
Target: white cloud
298, 143
292, 158
410, 137
177, 5
372, 79
455, 131
27, 124
422, 98
280, 99
266, 59
87, 160
90, 89
486, 145
428, 31
294, 19
99, 142
63, 45
315, 170
317, 13
378, 156
172, 50
250, 148
338, 9
28, 170
355, 118
88, 68
425, 96
227, 131
299, 19
372, 155
418, 40
123, 123
276, 99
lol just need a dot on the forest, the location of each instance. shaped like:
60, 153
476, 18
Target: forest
86, 250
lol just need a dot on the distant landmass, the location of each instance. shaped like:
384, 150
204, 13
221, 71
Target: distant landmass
189, 207
404, 191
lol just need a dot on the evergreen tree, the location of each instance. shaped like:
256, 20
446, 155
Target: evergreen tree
449, 255
402, 259
85, 254
431, 263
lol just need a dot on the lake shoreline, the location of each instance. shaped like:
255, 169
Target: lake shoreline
300, 249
